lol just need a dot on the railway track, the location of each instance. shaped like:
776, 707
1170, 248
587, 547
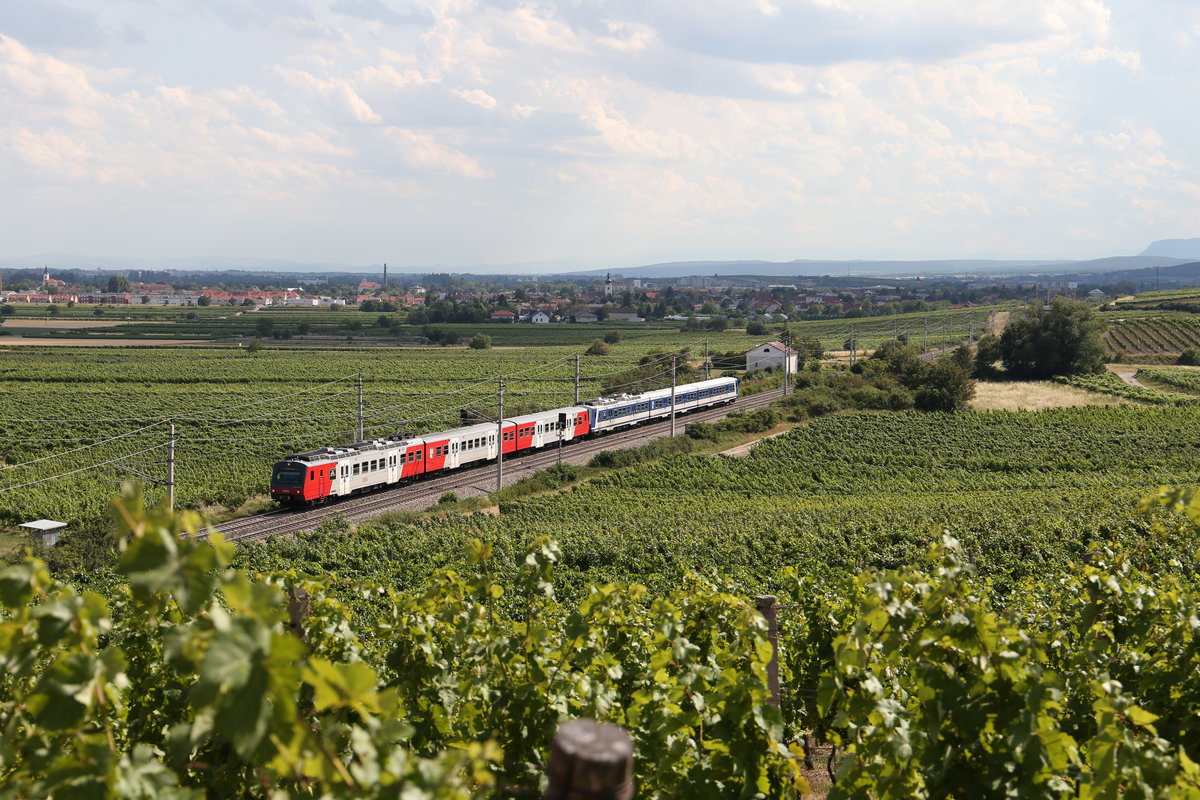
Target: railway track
423, 493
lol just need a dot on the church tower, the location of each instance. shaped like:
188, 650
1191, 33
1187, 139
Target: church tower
608, 285
45, 275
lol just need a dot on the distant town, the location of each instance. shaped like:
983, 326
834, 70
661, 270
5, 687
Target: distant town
711, 300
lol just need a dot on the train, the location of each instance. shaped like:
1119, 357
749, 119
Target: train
339, 471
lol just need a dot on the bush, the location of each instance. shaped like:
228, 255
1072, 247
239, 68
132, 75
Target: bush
756, 328
481, 341
447, 498
598, 348
612, 337
1190, 357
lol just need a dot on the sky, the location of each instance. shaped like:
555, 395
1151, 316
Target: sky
452, 133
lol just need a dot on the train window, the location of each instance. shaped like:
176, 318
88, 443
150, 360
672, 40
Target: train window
312, 473
356, 469
418, 455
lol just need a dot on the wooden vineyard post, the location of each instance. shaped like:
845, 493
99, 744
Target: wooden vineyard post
590, 760
765, 603
297, 610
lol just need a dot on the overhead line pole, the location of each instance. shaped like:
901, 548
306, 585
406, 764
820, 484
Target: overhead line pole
359, 431
500, 441
706, 375
577, 379
171, 468
672, 395
787, 359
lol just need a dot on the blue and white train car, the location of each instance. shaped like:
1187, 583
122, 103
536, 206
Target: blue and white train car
619, 411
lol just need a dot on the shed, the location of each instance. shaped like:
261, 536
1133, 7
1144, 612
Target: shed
773, 355
46, 530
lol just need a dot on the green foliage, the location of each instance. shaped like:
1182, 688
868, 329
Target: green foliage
1190, 356
448, 497
654, 450
756, 328
189, 684
612, 337
480, 341
1062, 341
1110, 384
944, 386
988, 354
598, 348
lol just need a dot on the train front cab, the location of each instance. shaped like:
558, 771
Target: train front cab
297, 483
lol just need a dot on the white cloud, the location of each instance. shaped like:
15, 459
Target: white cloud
424, 152
477, 97
338, 92
1129, 59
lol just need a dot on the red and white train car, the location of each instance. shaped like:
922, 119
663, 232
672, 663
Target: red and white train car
316, 476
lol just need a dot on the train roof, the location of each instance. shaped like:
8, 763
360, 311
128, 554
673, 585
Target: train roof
654, 394
358, 448
542, 415
466, 432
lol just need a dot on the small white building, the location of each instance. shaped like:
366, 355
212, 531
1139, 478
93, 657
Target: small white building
772, 355
539, 317
45, 531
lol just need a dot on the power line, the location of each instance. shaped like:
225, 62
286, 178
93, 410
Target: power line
81, 469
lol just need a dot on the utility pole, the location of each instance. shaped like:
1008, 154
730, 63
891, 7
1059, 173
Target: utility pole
577, 379
171, 468
500, 441
672, 396
853, 345
706, 376
359, 431
971, 336
945, 322
787, 359
925, 341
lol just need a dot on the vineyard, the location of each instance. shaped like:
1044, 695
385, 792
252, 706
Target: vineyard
1134, 337
90, 418
328, 327
969, 605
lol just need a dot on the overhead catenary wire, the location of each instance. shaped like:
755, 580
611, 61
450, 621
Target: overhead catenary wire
76, 449
61, 475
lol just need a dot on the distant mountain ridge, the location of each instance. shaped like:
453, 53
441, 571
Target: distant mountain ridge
782, 269
1174, 248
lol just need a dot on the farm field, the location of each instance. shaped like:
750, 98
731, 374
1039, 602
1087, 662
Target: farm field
1142, 336
847, 492
838, 519
237, 412
348, 326
997, 560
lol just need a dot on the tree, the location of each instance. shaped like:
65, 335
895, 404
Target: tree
987, 353
8, 310
612, 337
717, 324
481, 341
204, 300
756, 328
945, 386
265, 327
1062, 341
118, 284
598, 348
